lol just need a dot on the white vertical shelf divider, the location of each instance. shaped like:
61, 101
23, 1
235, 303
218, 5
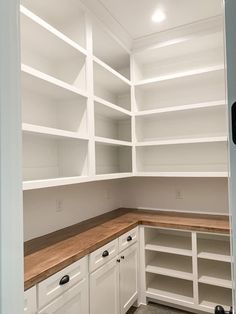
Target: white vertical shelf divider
133, 118
90, 89
195, 268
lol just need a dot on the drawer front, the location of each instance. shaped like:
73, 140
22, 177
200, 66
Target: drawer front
57, 284
103, 255
30, 305
128, 239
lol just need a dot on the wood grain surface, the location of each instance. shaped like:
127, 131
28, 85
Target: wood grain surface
46, 255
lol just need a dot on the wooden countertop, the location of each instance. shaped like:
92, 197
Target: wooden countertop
46, 255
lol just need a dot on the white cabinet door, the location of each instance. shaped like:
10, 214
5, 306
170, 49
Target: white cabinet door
73, 301
30, 301
128, 278
104, 289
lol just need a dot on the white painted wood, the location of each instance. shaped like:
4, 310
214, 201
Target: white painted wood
203, 105
176, 266
205, 87
142, 263
50, 288
229, 19
128, 283
51, 54
112, 158
110, 86
68, 18
73, 301
215, 139
215, 273
45, 157
104, 289
44, 83
112, 142
195, 268
108, 49
207, 124
195, 157
129, 238
11, 215
25, 12
190, 174
96, 258
51, 132
186, 74
214, 247
30, 301
210, 296
117, 112
171, 289
179, 54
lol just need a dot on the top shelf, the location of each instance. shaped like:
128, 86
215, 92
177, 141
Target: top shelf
110, 50
68, 18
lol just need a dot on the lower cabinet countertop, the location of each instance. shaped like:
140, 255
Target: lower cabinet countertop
47, 255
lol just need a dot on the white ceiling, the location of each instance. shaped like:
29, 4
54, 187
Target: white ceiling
135, 15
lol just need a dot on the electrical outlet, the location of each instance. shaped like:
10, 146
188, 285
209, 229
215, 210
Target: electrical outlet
59, 206
179, 195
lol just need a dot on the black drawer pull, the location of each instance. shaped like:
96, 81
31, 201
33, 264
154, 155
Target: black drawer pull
105, 254
129, 238
64, 280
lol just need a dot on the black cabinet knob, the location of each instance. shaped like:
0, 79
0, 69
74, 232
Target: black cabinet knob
105, 254
129, 238
118, 260
65, 279
122, 257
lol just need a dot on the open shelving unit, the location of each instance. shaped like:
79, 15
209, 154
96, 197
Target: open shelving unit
186, 268
158, 111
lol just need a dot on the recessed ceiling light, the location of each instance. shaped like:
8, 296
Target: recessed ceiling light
158, 16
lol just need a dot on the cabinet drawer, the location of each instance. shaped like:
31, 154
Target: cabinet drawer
128, 239
57, 284
103, 255
30, 301
74, 300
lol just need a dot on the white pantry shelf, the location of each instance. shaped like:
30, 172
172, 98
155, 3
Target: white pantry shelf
112, 110
204, 105
225, 283
177, 76
183, 141
51, 30
184, 174
111, 176
214, 249
46, 183
68, 18
111, 70
170, 289
176, 267
170, 244
110, 141
49, 85
37, 129
210, 296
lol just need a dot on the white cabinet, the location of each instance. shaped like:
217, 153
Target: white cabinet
128, 278
104, 289
30, 301
73, 301
114, 286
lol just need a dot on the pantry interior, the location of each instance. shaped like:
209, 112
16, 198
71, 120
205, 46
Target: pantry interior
120, 112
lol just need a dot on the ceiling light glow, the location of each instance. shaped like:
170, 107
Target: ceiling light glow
158, 16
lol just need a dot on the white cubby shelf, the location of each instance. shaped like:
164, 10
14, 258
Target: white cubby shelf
175, 272
157, 111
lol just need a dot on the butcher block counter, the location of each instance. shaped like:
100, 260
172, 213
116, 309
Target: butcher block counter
48, 254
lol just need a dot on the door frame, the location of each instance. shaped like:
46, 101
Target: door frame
11, 213
230, 53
